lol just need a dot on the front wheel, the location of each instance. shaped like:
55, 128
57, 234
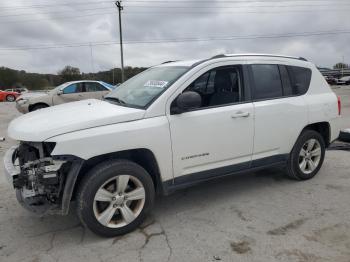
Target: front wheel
307, 156
115, 197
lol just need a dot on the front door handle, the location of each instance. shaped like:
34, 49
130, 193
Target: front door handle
240, 114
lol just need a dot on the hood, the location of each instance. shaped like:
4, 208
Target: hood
40, 125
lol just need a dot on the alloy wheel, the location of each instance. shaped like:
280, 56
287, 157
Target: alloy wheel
310, 156
119, 201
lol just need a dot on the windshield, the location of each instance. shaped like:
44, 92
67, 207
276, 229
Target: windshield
61, 86
108, 85
145, 87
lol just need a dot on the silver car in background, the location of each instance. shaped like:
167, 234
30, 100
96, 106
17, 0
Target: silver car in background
67, 92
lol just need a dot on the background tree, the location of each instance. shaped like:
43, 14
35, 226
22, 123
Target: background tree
70, 73
34, 81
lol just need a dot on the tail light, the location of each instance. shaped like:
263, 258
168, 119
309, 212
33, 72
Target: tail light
339, 106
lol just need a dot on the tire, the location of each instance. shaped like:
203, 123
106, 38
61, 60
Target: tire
344, 136
10, 98
104, 178
303, 170
37, 107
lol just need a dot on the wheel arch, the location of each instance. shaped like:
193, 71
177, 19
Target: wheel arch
141, 156
30, 107
323, 128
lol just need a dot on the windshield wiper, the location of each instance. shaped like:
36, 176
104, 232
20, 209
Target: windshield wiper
118, 100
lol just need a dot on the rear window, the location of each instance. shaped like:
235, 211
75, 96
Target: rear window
267, 81
300, 78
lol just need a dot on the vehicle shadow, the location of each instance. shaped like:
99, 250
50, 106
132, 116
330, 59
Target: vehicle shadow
196, 198
221, 189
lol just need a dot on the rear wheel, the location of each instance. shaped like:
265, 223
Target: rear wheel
115, 197
307, 156
10, 98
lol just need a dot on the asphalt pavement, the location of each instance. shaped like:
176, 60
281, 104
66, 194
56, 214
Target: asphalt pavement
262, 216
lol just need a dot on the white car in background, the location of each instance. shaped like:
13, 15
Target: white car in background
19, 90
345, 80
67, 92
170, 127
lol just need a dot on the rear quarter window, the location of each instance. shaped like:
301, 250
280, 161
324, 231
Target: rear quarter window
300, 78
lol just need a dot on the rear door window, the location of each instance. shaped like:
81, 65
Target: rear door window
267, 81
301, 78
94, 87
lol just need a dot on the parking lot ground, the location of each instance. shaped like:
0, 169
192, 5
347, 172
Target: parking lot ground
261, 216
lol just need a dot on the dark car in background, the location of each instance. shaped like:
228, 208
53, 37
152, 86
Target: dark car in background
331, 80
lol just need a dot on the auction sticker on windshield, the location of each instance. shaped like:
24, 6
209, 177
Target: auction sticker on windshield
156, 83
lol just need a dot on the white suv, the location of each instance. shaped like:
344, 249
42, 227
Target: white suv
170, 127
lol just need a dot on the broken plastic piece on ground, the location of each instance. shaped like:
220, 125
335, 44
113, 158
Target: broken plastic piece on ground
345, 135
337, 145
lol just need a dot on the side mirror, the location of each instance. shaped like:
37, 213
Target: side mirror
186, 101
59, 92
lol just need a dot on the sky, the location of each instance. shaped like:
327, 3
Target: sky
43, 36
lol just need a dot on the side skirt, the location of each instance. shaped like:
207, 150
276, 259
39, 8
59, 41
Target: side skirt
185, 181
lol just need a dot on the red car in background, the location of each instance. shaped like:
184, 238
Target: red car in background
8, 96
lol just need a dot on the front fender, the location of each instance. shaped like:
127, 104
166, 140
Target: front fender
151, 133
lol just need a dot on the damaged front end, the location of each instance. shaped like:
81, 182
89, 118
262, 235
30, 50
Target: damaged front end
38, 178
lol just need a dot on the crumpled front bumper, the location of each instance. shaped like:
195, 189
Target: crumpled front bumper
22, 107
11, 170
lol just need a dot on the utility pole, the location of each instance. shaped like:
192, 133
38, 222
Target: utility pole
120, 8
113, 75
91, 59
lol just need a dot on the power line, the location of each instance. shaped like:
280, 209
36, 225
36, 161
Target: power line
235, 7
4, 8
55, 18
177, 12
68, 4
180, 40
237, 13
234, 2
174, 7
59, 12
108, 8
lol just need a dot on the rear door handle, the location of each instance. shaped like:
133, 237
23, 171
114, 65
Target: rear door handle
240, 114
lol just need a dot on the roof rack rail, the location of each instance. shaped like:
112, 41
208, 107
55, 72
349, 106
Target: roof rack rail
168, 62
266, 55
302, 59
219, 56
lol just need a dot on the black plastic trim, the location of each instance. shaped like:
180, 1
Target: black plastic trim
71, 178
185, 181
259, 55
